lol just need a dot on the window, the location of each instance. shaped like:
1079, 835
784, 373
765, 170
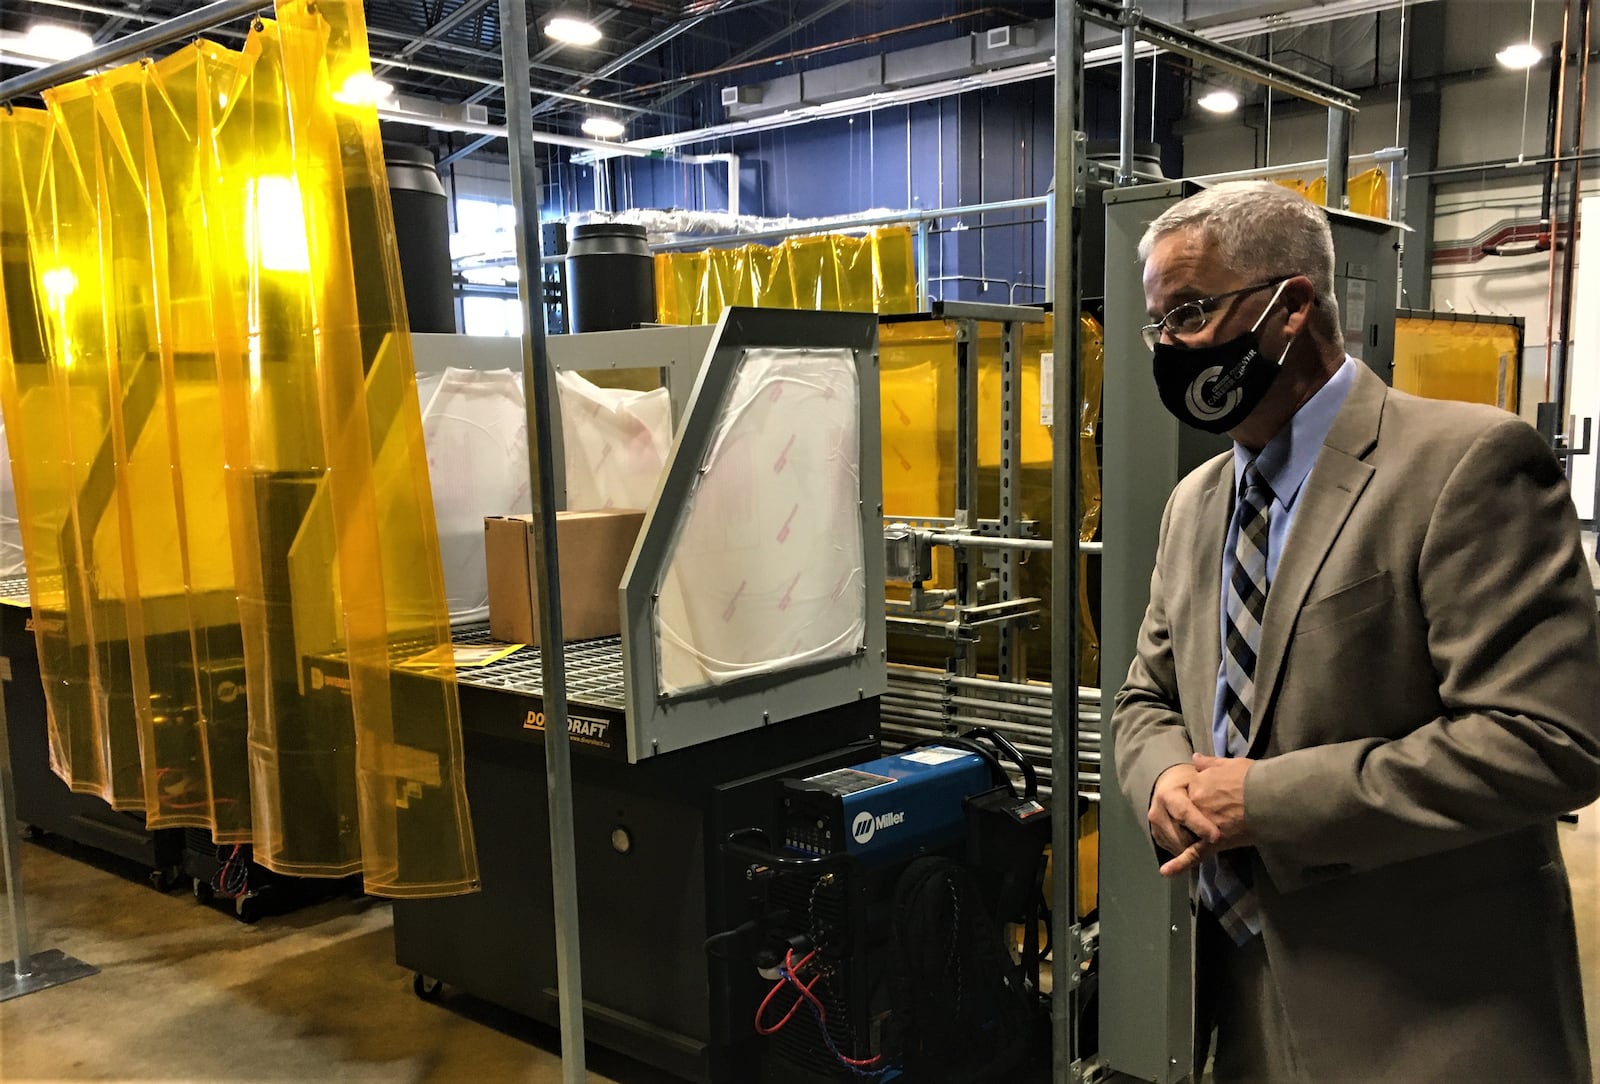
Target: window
491, 315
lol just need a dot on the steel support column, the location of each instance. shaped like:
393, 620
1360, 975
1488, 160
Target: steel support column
536, 378
1067, 204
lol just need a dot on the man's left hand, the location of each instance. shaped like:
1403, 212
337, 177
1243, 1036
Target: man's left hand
1218, 792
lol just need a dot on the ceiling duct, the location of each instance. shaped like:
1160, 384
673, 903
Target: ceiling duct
968, 55
987, 54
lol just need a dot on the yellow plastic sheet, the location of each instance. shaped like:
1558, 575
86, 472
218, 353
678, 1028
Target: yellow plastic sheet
875, 273
1368, 192
219, 458
1458, 359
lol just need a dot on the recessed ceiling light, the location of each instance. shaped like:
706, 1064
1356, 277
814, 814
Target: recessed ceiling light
1220, 101
603, 127
1522, 54
49, 41
572, 31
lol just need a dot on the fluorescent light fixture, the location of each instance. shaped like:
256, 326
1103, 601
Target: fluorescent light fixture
603, 127
363, 88
50, 41
570, 30
1219, 101
1521, 54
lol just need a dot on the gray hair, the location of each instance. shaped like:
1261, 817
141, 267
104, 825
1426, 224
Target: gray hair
1260, 230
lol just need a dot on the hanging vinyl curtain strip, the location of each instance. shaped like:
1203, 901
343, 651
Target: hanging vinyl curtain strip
874, 273
219, 460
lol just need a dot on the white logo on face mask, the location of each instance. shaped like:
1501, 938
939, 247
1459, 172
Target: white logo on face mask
1195, 398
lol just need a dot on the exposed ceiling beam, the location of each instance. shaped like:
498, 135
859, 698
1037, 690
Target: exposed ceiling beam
442, 27
644, 49
761, 46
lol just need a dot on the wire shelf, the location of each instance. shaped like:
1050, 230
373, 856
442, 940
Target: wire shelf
594, 670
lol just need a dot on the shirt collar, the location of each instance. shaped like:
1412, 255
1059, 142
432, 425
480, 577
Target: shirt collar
1287, 459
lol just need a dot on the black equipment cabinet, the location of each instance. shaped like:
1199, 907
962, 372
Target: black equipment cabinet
44, 802
652, 886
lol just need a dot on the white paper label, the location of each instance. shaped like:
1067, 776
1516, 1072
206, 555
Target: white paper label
1047, 388
936, 754
1355, 307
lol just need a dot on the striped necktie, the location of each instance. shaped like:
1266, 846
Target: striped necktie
1225, 881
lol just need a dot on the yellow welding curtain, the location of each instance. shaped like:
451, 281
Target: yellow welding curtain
1368, 192
874, 273
918, 393
1458, 359
218, 458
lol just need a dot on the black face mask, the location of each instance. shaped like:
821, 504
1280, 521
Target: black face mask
1216, 387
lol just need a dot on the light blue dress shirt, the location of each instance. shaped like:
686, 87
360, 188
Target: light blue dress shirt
1285, 463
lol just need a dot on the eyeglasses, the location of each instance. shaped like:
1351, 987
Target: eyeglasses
1191, 317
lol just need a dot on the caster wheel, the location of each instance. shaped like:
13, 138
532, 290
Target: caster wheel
246, 909
203, 891
33, 833
428, 989
163, 880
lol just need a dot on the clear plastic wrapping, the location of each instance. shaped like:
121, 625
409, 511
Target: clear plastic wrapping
766, 572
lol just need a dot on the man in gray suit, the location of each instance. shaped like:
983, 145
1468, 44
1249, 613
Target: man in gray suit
1367, 683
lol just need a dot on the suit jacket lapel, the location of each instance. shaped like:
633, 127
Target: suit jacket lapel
1200, 677
1323, 506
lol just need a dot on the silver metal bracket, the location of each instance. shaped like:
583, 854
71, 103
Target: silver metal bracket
42, 971
1080, 170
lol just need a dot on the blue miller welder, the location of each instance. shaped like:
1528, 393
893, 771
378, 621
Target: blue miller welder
884, 894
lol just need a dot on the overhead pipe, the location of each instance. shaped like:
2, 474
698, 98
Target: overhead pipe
812, 50
1554, 183
1570, 255
729, 160
1130, 40
1552, 153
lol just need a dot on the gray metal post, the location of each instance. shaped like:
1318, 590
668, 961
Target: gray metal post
21, 961
1067, 203
26, 972
1125, 121
924, 228
1338, 158
1012, 662
538, 381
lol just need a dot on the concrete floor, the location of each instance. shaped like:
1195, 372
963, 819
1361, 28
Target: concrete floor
187, 992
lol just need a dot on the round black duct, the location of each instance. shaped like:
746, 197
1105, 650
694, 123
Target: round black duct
422, 232
611, 277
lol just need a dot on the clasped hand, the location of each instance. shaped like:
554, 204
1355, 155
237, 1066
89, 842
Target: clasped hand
1198, 809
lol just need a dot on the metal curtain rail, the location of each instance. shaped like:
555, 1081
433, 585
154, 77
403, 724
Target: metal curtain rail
1186, 43
136, 44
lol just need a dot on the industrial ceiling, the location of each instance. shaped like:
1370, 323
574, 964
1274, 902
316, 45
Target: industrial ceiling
660, 63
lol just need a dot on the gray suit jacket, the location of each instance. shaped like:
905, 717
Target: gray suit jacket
1428, 687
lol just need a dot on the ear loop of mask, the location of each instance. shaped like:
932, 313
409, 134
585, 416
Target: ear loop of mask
1263, 319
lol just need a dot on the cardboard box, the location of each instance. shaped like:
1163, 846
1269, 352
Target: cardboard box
594, 548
